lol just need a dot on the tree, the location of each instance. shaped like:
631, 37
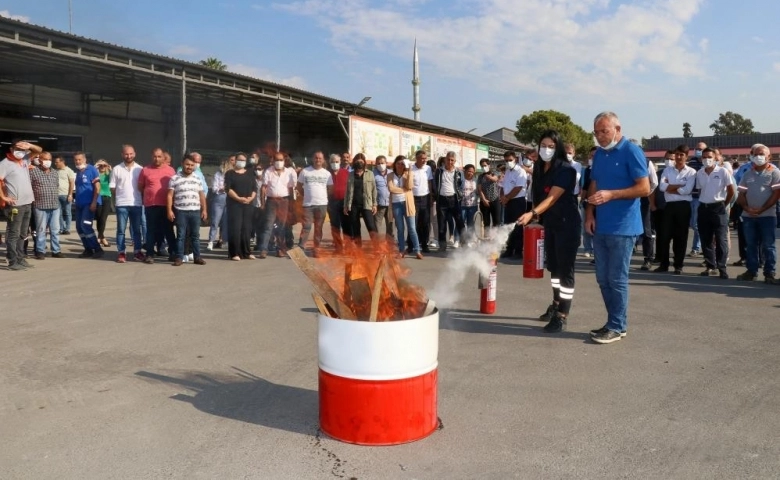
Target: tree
731, 123
214, 63
687, 130
654, 137
530, 127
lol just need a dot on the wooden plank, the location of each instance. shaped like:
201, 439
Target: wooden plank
321, 305
361, 297
376, 292
320, 285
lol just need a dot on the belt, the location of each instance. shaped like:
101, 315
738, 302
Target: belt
277, 198
712, 205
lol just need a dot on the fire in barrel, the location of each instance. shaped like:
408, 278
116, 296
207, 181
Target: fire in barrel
378, 348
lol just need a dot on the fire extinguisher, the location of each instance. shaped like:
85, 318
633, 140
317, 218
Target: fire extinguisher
533, 251
487, 286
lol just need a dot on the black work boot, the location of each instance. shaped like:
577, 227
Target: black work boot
547, 316
557, 324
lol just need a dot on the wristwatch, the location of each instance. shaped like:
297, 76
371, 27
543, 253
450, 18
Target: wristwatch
535, 213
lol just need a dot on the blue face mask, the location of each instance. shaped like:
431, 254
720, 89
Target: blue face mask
697, 153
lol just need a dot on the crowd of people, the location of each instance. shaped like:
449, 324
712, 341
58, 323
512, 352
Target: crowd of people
415, 204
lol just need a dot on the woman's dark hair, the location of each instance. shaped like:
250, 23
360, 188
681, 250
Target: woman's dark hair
431, 164
560, 148
559, 160
359, 156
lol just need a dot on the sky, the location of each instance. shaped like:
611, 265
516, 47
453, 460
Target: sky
483, 63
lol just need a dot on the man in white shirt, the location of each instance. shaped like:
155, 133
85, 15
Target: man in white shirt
275, 195
716, 187
677, 182
187, 207
513, 190
422, 187
315, 183
129, 203
448, 191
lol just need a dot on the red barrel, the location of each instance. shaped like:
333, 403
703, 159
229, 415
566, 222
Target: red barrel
533, 251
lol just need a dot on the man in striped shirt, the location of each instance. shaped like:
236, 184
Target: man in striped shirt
186, 207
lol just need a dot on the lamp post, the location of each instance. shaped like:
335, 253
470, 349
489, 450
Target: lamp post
364, 101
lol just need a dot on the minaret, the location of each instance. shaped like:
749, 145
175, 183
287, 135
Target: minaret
416, 83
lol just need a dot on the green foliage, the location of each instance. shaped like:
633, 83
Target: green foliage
687, 133
214, 63
530, 127
731, 123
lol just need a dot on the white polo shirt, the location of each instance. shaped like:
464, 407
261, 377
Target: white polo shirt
713, 185
277, 184
125, 182
421, 177
515, 178
685, 177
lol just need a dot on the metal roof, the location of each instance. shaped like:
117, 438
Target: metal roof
42, 56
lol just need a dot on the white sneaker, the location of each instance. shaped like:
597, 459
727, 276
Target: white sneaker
191, 257
210, 246
456, 244
587, 255
185, 258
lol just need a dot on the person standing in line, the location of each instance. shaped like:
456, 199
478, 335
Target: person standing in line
17, 196
153, 183
514, 189
104, 209
240, 185
470, 202
677, 182
188, 253
645, 207
258, 215
422, 187
555, 182
488, 191
384, 213
315, 185
218, 231
587, 238
87, 200
186, 205
399, 181
45, 186
129, 204
276, 193
339, 225
658, 208
618, 180
447, 193
360, 201
716, 189
696, 164
67, 178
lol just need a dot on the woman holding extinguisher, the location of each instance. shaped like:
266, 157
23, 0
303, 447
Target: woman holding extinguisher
555, 207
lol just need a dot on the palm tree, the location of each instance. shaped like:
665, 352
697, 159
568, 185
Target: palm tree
214, 63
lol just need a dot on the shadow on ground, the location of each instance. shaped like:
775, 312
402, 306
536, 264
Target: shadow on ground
247, 398
471, 321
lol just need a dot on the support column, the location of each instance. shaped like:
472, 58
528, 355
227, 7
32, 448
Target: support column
278, 124
183, 113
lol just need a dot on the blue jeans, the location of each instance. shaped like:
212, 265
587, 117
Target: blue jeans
122, 215
218, 218
695, 225
467, 213
587, 238
760, 233
47, 218
187, 226
613, 257
84, 219
65, 213
401, 221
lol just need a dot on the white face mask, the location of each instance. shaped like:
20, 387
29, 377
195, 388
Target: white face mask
382, 167
510, 165
335, 166
546, 153
758, 160
36, 162
708, 162
279, 164
47, 164
669, 162
611, 144
569, 157
81, 166
258, 173
252, 160
486, 168
240, 164
527, 162
19, 154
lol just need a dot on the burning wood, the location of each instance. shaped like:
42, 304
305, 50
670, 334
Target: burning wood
363, 285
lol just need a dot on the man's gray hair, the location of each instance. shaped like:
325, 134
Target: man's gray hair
760, 145
612, 116
451, 154
334, 157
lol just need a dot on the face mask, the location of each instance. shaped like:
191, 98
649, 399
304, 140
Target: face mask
708, 162
36, 162
279, 164
382, 168
758, 160
258, 173
360, 166
486, 168
197, 167
527, 162
510, 165
47, 164
252, 160
19, 154
611, 144
697, 153
546, 154
570, 157
240, 164
81, 166
335, 166
669, 162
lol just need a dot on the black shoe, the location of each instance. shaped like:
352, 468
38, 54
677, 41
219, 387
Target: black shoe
426, 250
748, 275
592, 262
548, 315
738, 263
557, 324
607, 337
724, 275
57, 255
709, 271
23, 262
86, 253
603, 330
771, 280
645, 266
678, 271
40, 256
17, 267
98, 253
442, 248
65, 232
661, 269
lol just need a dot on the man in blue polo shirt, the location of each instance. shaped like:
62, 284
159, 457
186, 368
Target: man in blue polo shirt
619, 179
87, 199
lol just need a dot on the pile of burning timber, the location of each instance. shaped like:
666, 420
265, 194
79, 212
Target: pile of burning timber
363, 285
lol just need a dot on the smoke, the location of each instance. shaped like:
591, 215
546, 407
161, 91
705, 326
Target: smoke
446, 291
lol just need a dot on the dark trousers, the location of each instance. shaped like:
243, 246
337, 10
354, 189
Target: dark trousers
560, 247
713, 222
338, 225
159, 228
15, 231
448, 209
276, 210
239, 228
677, 219
512, 211
647, 225
490, 213
101, 215
188, 230
258, 222
736, 212
658, 226
423, 221
355, 214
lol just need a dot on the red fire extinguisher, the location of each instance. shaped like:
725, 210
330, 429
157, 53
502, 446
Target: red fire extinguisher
533, 251
487, 285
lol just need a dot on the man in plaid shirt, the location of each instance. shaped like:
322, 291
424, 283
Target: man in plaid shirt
45, 185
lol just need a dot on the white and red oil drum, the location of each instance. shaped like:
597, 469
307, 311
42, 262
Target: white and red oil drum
533, 251
378, 380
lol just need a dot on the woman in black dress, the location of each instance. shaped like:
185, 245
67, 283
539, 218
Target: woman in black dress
556, 209
241, 192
